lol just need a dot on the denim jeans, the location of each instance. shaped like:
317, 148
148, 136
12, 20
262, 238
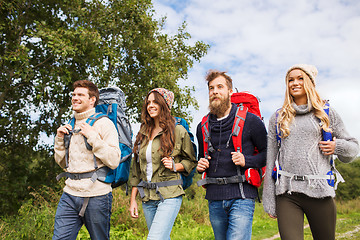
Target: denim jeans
160, 217
96, 217
232, 219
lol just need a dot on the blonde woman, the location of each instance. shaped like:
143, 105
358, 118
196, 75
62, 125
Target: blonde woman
303, 160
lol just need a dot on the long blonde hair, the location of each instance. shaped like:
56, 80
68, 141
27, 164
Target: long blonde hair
287, 113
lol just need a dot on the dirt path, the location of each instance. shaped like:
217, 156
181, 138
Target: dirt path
349, 234
278, 235
346, 235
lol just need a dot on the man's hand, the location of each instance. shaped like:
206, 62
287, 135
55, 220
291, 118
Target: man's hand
85, 129
327, 147
203, 164
63, 130
238, 158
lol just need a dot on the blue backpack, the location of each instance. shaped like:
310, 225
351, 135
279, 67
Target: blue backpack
187, 180
111, 105
112, 102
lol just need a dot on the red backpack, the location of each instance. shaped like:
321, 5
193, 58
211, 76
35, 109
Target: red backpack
245, 102
248, 100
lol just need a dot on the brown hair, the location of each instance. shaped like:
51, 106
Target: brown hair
212, 74
92, 89
167, 123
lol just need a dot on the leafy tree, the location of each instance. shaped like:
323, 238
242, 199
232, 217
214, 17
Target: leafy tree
46, 45
351, 173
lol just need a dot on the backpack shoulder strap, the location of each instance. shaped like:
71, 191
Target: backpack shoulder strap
327, 107
236, 136
238, 127
182, 122
327, 136
277, 129
91, 120
206, 136
67, 139
72, 122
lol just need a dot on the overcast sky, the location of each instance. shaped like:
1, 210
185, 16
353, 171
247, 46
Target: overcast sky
257, 41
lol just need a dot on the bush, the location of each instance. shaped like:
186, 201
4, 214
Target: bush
35, 218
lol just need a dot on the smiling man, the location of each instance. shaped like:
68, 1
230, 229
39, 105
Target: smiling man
231, 202
85, 199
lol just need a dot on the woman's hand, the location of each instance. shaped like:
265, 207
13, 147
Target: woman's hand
327, 147
168, 163
133, 209
271, 216
133, 205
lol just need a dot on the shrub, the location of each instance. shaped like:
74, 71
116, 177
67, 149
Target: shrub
35, 218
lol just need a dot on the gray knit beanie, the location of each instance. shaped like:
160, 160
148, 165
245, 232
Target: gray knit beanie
310, 70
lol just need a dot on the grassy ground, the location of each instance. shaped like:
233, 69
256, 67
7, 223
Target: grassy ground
35, 219
193, 220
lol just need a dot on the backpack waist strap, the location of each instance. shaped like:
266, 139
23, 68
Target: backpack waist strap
100, 174
156, 185
307, 178
222, 180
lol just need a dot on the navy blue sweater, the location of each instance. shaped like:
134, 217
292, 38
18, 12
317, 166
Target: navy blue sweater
221, 165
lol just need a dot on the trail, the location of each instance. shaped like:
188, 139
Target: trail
349, 234
278, 235
346, 235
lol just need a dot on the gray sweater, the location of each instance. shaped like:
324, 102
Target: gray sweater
300, 154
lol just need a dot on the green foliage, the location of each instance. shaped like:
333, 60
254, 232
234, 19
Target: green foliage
20, 168
351, 174
46, 45
34, 219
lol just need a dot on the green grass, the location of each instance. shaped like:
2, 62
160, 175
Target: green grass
35, 219
263, 225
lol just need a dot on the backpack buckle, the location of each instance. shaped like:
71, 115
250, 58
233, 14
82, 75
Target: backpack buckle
76, 176
299, 178
221, 181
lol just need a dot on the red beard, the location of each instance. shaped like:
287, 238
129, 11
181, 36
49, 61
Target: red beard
220, 106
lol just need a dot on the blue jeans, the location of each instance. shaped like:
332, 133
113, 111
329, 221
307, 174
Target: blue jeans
160, 217
96, 217
232, 219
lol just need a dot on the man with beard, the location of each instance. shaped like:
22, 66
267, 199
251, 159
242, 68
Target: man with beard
231, 205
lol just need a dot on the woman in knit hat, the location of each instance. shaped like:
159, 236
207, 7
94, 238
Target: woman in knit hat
162, 150
299, 166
